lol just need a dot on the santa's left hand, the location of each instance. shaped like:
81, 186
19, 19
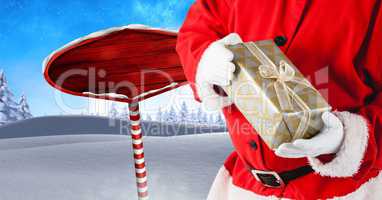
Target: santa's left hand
328, 141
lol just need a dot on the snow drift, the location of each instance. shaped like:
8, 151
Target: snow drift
100, 167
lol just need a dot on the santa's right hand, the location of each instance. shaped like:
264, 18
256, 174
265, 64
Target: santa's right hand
216, 68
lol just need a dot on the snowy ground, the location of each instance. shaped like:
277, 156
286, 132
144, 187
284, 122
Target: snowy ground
79, 125
99, 167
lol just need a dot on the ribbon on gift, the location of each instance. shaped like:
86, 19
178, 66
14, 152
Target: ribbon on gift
282, 74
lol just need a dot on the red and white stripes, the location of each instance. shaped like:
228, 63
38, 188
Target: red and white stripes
139, 156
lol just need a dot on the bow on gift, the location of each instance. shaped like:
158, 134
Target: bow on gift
282, 74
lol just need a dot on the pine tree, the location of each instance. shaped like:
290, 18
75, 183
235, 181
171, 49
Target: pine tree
171, 116
113, 113
164, 116
219, 120
24, 108
8, 107
200, 116
204, 118
183, 113
125, 113
192, 119
159, 115
211, 119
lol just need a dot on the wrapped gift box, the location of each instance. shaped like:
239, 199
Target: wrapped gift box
273, 95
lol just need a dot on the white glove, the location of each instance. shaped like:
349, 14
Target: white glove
328, 141
216, 68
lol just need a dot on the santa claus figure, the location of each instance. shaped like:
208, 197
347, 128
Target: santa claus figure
342, 39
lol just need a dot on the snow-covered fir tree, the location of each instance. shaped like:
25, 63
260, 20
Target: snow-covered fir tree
159, 115
113, 112
9, 111
211, 119
186, 116
170, 116
124, 114
24, 108
183, 113
204, 118
192, 119
219, 120
200, 115
164, 116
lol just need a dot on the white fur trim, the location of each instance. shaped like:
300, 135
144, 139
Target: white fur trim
349, 158
223, 189
101, 33
370, 190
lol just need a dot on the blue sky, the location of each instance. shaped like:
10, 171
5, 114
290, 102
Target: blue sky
31, 29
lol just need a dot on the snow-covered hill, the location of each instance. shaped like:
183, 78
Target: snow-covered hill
99, 167
74, 125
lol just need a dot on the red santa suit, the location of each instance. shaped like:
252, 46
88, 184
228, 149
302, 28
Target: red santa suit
340, 38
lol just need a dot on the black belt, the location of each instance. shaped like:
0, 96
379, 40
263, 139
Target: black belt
278, 180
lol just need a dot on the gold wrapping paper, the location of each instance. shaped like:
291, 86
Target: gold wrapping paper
273, 95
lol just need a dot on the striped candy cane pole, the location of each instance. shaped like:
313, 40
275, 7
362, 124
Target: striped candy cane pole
139, 156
